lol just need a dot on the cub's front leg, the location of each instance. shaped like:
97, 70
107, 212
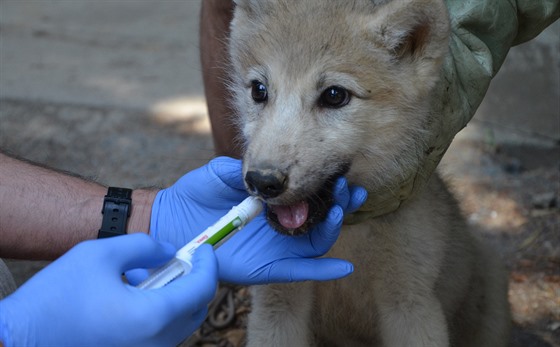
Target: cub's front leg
412, 321
281, 315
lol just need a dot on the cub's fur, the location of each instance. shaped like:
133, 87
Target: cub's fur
324, 88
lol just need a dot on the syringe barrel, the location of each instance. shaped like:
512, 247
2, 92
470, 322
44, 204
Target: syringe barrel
249, 208
167, 273
181, 264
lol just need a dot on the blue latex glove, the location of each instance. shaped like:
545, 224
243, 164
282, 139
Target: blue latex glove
81, 300
257, 254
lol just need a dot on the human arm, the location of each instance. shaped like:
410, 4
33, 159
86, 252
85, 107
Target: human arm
44, 212
80, 299
215, 18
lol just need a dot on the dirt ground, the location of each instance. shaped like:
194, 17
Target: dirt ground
505, 171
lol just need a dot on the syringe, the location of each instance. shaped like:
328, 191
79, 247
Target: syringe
181, 264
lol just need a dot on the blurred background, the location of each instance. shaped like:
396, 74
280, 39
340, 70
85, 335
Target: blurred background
112, 90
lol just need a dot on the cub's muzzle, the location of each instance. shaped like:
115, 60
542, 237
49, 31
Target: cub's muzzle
266, 183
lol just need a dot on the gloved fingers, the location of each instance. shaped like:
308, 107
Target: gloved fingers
187, 322
341, 193
229, 170
182, 327
222, 177
218, 181
194, 291
350, 198
358, 196
136, 276
323, 236
199, 316
228, 173
297, 270
133, 251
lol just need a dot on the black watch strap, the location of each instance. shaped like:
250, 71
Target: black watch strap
116, 210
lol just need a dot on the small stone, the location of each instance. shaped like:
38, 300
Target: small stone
513, 167
544, 200
554, 326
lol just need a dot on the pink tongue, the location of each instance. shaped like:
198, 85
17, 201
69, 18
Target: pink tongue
293, 216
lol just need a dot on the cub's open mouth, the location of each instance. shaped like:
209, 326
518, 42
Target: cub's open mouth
299, 217
291, 217
304, 209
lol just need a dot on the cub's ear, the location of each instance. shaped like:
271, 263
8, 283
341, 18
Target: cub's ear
412, 29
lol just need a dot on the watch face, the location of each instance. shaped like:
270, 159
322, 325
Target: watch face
121, 193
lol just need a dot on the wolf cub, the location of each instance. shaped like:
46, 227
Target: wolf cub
325, 88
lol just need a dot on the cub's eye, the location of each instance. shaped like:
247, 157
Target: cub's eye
334, 97
259, 92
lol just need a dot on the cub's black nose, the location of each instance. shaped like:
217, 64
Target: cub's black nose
266, 183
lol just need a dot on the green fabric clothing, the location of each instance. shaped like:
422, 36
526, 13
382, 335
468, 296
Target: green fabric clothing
482, 32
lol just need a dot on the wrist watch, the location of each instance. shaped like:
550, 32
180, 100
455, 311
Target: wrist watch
117, 205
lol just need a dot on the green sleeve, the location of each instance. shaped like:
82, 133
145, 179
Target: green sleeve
533, 17
482, 32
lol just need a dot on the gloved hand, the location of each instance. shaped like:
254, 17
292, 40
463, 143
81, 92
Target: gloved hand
257, 254
196, 201
80, 299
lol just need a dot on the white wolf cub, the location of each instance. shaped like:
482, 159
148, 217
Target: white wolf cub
325, 88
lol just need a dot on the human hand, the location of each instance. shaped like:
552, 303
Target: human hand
196, 201
80, 299
256, 254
